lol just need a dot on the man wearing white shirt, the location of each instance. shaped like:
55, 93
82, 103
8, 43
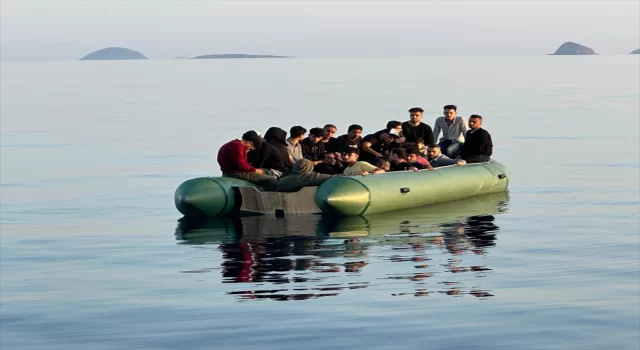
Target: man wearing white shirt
453, 130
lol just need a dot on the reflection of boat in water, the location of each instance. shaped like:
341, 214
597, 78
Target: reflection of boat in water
416, 220
311, 256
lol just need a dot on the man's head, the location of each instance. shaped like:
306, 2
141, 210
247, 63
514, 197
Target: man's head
297, 132
329, 158
316, 134
251, 140
354, 131
350, 156
390, 136
329, 131
450, 112
475, 121
419, 143
433, 151
398, 155
415, 114
413, 154
394, 124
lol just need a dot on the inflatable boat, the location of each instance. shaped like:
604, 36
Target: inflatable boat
342, 195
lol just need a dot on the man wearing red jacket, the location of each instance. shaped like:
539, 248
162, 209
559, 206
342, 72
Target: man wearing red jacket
232, 158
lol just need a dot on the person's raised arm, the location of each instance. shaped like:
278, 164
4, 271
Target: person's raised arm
366, 147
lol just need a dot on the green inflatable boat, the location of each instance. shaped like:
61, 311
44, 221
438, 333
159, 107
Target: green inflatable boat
343, 195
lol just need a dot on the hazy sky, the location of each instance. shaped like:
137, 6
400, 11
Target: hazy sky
69, 29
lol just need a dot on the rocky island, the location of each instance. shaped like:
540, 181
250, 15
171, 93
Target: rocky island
115, 53
635, 52
236, 55
571, 48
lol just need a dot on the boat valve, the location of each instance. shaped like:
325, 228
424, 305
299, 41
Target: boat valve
404, 190
501, 176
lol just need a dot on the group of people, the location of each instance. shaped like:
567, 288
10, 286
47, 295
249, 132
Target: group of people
277, 162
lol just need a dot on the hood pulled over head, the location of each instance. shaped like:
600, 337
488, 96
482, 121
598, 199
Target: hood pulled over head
275, 134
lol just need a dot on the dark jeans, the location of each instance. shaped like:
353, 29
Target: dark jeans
477, 159
268, 183
450, 148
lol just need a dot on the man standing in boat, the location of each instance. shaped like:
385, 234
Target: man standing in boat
415, 129
232, 158
478, 146
453, 128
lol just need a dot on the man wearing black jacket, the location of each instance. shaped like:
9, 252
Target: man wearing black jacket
415, 129
267, 157
277, 137
478, 146
313, 147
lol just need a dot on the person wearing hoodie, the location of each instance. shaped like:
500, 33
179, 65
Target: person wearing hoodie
278, 138
301, 176
267, 157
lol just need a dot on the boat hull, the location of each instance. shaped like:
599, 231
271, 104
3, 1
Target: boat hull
208, 196
361, 195
344, 195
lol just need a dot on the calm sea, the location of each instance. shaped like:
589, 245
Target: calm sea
94, 256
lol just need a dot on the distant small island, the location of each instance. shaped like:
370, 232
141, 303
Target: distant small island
115, 53
635, 52
571, 48
236, 55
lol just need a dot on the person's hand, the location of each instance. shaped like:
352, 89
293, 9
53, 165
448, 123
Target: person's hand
430, 168
259, 171
414, 169
378, 155
364, 173
317, 162
461, 162
402, 139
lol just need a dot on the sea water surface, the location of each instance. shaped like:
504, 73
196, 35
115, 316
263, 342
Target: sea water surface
93, 254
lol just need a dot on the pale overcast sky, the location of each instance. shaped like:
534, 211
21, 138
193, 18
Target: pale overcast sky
69, 29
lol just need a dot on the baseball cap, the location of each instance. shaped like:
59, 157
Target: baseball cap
394, 133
